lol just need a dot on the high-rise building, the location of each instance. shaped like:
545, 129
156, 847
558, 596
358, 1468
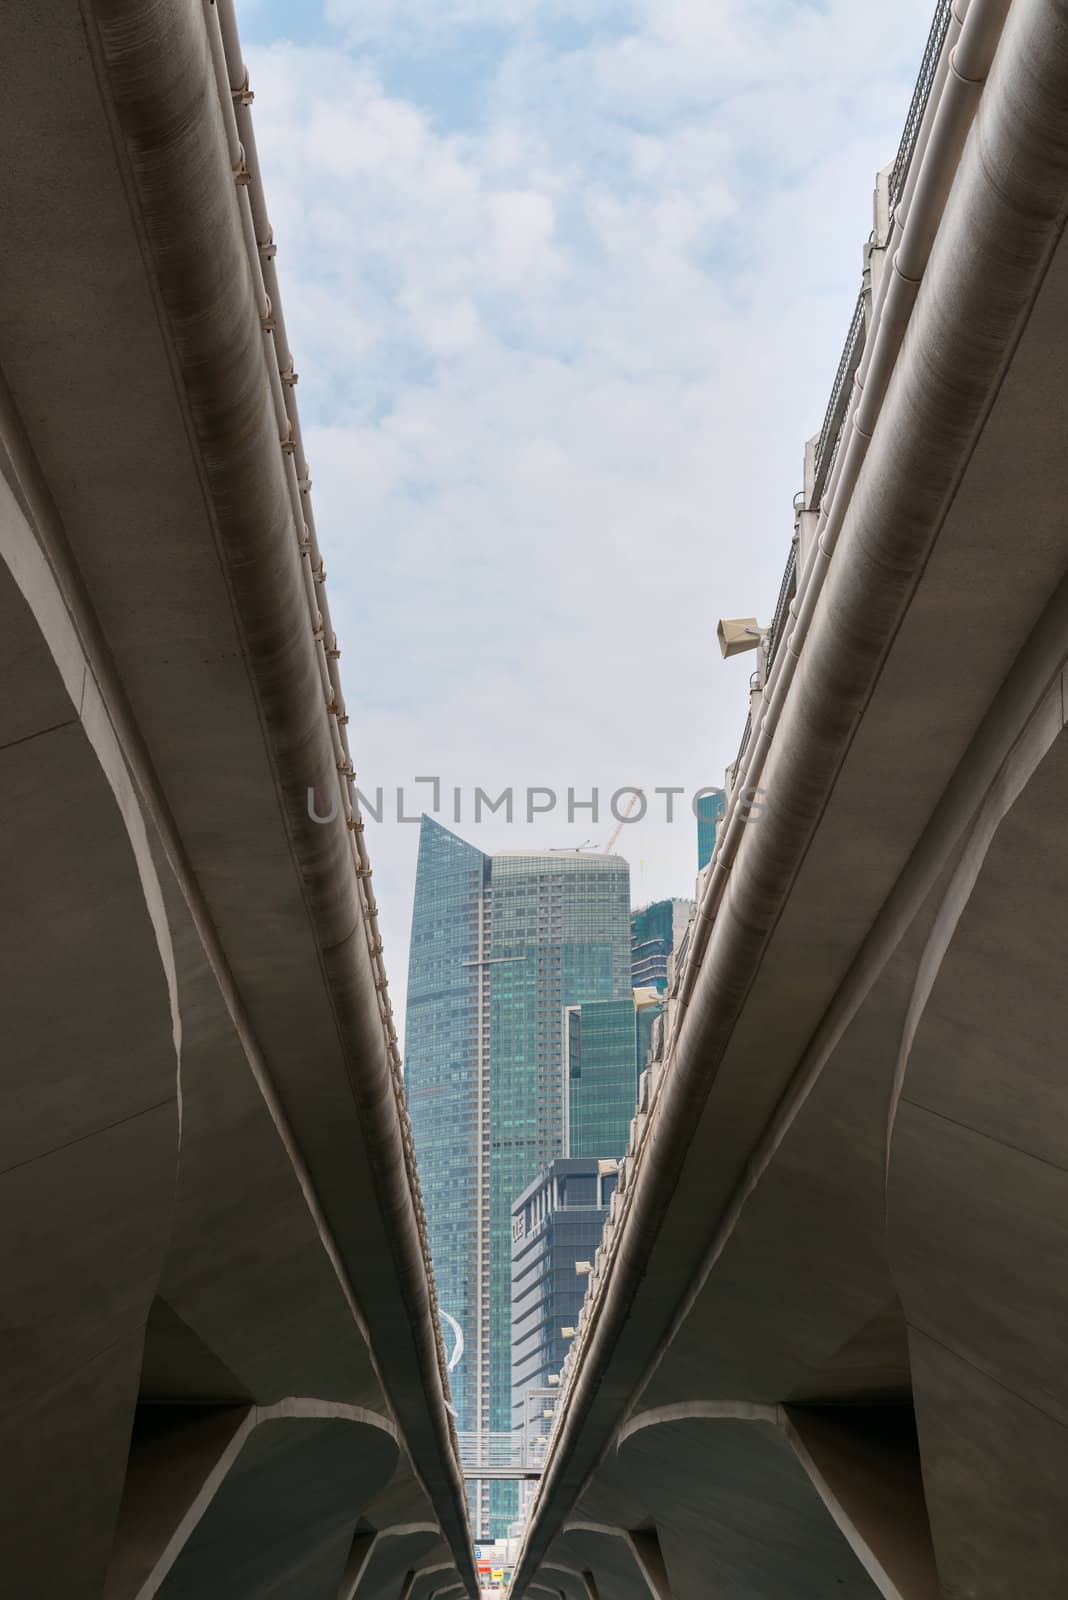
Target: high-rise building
501, 946
447, 1014
557, 1224
710, 806
655, 931
600, 1076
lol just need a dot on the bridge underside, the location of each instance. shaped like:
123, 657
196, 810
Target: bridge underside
221, 1375
840, 1367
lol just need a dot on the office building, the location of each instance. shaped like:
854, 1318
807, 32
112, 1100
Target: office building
556, 1228
501, 946
600, 1076
655, 931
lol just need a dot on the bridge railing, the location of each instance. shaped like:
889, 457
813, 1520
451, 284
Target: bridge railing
918, 104
834, 418
235, 97
502, 1455
838, 404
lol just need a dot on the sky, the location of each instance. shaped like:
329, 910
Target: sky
567, 285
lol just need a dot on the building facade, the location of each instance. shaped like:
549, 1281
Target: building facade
557, 1224
501, 946
445, 1022
600, 1076
655, 932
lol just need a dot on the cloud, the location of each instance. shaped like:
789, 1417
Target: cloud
561, 340
364, 20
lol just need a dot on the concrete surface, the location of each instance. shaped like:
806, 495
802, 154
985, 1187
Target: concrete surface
221, 1356
849, 1212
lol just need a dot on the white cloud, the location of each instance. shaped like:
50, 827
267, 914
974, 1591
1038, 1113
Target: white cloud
559, 357
373, 19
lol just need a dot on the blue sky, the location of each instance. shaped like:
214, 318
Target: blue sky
566, 285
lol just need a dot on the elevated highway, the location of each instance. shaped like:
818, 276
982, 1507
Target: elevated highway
223, 1373
823, 1351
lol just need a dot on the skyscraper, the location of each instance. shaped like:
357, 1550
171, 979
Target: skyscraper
600, 1076
656, 931
446, 1019
557, 1224
501, 946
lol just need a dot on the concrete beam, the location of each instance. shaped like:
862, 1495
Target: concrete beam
377, 1559
168, 718
259, 1467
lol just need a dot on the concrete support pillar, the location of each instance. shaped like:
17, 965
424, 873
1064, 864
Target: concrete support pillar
647, 1554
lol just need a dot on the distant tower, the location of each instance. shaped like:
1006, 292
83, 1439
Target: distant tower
501, 946
557, 1224
655, 931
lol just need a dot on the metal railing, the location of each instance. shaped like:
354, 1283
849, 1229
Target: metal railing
838, 404
502, 1455
235, 98
918, 104
787, 590
853, 350
747, 734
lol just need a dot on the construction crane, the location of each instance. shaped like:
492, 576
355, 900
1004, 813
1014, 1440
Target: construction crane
618, 829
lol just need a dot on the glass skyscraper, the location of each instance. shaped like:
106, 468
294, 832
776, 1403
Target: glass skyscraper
600, 1076
656, 930
501, 946
445, 1017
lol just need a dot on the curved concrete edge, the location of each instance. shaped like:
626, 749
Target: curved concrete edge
39, 586
977, 1184
579, 1580
366, 1545
157, 73
644, 1549
1015, 734
240, 1430
1035, 739
893, 1542
41, 562
920, 1581
642, 1552
93, 1082
703, 1410
424, 1578
64, 611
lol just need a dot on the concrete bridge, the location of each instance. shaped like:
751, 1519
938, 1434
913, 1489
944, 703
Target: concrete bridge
824, 1349
222, 1368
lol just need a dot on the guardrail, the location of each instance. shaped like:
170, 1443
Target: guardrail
838, 404
747, 734
502, 1455
235, 98
787, 590
918, 104
853, 350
